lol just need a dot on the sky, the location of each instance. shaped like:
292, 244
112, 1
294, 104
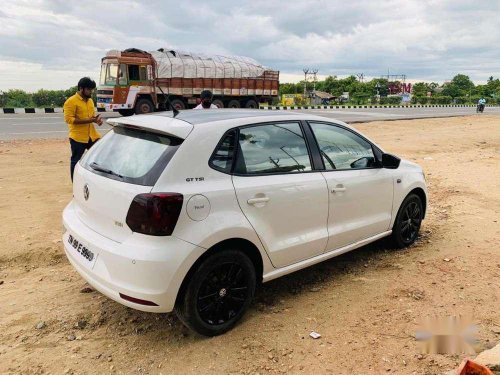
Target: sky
52, 43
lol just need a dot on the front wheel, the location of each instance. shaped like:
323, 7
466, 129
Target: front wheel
408, 221
144, 106
218, 294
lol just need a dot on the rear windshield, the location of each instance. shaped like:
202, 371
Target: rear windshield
131, 155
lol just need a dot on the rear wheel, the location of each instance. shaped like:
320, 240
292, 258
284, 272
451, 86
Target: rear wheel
144, 106
251, 104
218, 103
233, 104
408, 221
218, 293
177, 104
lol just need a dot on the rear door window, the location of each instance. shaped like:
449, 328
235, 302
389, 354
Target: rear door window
272, 148
131, 155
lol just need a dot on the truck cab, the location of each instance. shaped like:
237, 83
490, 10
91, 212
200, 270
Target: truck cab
126, 83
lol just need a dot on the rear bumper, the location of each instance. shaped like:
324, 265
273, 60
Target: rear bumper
142, 267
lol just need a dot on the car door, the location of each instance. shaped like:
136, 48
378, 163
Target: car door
285, 201
360, 191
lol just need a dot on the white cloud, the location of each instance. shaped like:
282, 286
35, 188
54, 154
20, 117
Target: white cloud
425, 39
33, 77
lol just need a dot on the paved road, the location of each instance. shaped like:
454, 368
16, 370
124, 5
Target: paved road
51, 125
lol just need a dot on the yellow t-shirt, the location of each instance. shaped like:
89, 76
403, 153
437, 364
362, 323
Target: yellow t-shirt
77, 108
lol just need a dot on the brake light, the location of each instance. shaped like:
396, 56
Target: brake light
154, 214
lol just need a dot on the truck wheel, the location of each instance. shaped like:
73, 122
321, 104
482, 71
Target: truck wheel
218, 103
178, 104
144, 106
251, 104
233, 104
126, 112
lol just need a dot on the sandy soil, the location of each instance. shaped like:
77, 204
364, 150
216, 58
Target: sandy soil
366, 304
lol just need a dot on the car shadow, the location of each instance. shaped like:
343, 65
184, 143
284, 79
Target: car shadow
123, 321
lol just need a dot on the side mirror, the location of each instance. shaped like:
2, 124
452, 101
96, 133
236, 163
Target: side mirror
390, 161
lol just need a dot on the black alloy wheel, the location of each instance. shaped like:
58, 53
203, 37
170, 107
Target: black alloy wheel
218, 293
223, 295
408, 221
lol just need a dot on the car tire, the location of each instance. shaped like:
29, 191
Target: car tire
144, 106
219, 103
233, 104
408, 222
218, 293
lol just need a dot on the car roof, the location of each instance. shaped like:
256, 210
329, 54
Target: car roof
181, 125
212, 115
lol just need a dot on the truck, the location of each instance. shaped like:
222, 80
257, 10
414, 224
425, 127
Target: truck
136, 81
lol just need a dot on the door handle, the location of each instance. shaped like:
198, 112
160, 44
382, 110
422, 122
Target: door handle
338, 189
258, 200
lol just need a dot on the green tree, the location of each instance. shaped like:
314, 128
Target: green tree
18, 99
460, 85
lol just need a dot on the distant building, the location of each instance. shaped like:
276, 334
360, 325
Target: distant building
321, 97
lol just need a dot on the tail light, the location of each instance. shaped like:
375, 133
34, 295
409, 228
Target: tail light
154, 214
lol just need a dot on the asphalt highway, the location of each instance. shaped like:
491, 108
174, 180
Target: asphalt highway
51, 125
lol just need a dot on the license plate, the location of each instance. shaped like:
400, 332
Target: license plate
84, 254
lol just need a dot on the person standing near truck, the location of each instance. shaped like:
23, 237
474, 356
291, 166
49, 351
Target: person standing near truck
79, 114
206, 100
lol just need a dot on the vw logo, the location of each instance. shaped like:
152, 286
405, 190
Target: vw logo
86, 192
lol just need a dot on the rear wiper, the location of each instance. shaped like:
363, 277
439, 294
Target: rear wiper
97, 167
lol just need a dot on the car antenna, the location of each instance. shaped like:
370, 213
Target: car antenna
167, 101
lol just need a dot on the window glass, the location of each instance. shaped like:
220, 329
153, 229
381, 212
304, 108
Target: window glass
222, 158
102, 77
137, 73
143, 73
132, 154
272, 148
341, 148
133, 72
122, 75
111, 74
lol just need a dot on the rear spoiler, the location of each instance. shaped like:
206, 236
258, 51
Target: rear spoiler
155, 124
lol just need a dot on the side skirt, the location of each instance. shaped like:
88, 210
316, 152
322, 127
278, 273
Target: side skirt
320, 258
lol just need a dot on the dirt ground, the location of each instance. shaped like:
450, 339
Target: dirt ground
365, 304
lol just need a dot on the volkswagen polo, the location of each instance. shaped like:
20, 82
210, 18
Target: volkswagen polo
192, 212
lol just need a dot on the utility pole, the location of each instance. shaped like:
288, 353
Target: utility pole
306, 72
314, 74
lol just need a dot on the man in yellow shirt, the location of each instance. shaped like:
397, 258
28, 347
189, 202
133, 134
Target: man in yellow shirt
80, 116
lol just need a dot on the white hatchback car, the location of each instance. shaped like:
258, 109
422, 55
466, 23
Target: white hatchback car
191, 213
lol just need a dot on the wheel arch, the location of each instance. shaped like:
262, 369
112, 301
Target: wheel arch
144, 96
423, 197
239, 243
